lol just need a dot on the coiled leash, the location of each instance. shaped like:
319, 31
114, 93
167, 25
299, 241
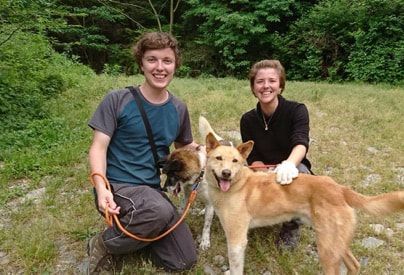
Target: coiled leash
109, 219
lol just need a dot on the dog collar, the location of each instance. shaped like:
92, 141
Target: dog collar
198, 180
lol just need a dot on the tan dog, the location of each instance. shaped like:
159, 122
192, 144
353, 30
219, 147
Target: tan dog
244, 199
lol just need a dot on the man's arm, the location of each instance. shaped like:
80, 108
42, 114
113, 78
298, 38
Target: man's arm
98, 164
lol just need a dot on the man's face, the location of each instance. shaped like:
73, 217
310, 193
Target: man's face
158, 67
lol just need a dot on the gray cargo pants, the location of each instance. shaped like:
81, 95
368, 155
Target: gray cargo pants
147, 212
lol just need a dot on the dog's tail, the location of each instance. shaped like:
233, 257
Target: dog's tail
376, 205
205, 129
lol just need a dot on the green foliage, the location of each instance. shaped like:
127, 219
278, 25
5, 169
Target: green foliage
31, 74
318, 45
101, 32
90, 33
316, 40
114, 69
347, 40
29, 15
238, 31
23, 64
378, 52
200, 59
183, 71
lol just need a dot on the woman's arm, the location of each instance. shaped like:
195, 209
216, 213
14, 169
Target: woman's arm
297, 155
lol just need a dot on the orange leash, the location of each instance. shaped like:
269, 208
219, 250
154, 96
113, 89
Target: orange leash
109, 219
269, 166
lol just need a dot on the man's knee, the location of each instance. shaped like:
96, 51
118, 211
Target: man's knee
177, 251
175, 266
188, 264
165, 214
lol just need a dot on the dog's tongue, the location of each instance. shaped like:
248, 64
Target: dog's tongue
224, 185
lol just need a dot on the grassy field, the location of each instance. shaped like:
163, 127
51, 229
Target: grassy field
46, 205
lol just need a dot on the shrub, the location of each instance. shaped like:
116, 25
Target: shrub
378, 52
31, 74
112, 69
347, 40
318, 45
234, 34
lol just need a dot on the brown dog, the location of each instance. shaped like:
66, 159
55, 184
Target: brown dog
184, 168
244, 199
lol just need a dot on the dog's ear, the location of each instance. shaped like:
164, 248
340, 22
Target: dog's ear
172, 166
211, 142
245, 148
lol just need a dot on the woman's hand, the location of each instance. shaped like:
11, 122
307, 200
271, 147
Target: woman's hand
286, 172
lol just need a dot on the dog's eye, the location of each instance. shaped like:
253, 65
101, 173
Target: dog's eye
235, 160
219, 158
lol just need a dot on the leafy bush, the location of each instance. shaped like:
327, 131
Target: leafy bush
99, 33
378, 52
318, 45
112, 69
31, 74
183, 71
347, 40
236, 32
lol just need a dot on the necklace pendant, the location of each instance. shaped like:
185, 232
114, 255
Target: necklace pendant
265, 121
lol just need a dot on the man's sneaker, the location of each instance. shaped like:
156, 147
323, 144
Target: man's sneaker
289, 236
99, 259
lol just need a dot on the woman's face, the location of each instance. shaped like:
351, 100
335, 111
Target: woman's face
158, 67
266, 85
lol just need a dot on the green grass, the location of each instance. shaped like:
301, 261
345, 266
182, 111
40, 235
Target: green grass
356, 131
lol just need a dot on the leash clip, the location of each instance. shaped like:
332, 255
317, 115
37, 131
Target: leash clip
198, 180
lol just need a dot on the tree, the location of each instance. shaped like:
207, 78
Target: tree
101, 32
239, 31
28, 16
377, 54
318, 45
347, 40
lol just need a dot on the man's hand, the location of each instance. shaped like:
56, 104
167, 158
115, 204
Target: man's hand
106, 200
286, 172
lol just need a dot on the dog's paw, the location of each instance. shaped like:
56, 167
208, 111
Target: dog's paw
205, 244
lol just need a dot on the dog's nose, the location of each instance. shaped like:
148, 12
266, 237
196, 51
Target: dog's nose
226, 173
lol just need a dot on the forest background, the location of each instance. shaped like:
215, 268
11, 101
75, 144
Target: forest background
339, 40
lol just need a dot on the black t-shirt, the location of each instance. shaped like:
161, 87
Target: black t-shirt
287, 127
